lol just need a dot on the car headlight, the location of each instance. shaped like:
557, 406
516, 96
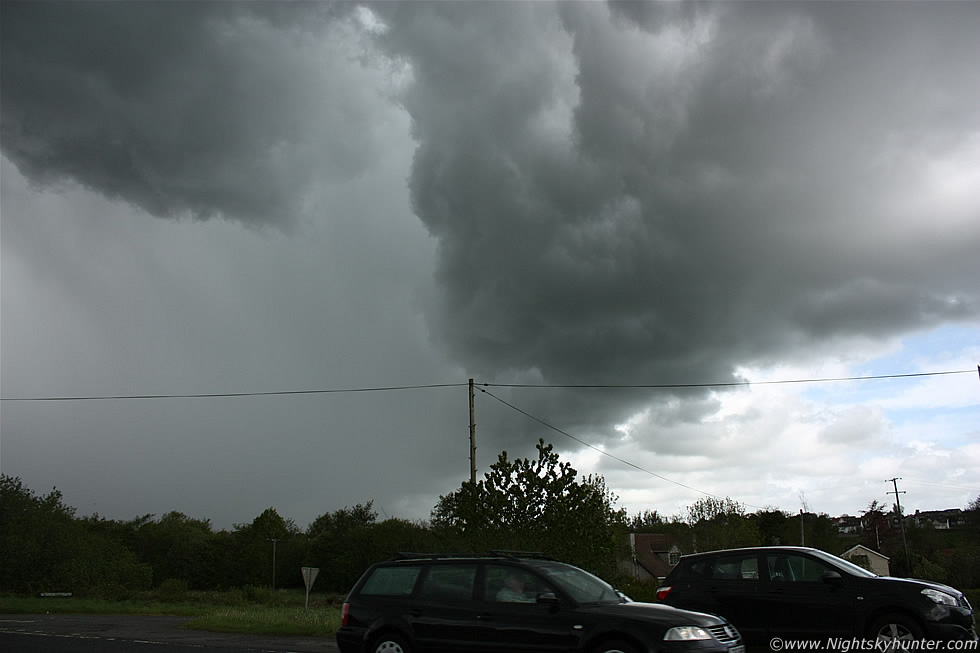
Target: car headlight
686, 633
941, 598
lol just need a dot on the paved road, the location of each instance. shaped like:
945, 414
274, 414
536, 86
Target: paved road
57, 633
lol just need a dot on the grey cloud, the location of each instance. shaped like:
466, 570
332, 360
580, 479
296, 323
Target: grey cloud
631, 193
858, 424
200, 109
710, 184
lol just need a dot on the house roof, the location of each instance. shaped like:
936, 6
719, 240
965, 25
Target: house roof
647, 548
860, 548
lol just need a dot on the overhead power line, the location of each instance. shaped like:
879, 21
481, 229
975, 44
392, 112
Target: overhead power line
214, 395
666, 386
727, 384
604, 453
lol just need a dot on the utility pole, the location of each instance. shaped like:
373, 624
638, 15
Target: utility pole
273, 540
472, 438
901, 523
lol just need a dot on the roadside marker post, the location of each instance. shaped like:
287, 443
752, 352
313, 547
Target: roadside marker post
309, 575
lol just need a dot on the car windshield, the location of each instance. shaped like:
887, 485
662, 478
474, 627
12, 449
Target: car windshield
582, 586
844, 565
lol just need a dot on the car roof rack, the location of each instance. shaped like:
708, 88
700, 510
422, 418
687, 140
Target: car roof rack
495, 553
412, 555
505, 553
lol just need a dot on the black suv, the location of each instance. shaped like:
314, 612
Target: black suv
803, 593
512, 603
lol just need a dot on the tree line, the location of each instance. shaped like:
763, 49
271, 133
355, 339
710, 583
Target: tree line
526, 504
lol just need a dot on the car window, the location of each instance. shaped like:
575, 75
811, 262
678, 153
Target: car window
582, 586
734, 567
506, 584
448, 583
795, 568
392, 581
845, 565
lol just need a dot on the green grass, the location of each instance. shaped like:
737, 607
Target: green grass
270, 621
273, 613
31, 605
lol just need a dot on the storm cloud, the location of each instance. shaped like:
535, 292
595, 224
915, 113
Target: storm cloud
204, 109
643, 192
571, 193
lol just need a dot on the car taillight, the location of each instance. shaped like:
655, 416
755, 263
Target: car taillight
344, 614
663, 591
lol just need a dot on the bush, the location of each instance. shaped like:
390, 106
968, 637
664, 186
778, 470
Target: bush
973, 596
642, 592
110, 591
173, 589
255, 594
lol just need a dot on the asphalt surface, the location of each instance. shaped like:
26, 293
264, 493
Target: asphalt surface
55, 633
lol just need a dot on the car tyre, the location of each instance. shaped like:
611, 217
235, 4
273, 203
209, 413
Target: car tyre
390, 643
615, 647
894, 631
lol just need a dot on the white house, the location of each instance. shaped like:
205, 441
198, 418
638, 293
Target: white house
870, 559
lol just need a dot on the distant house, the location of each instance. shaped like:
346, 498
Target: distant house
941, 520
848, 525
870, 559
653, 556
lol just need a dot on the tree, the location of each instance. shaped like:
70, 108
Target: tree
877, 527
973, 515
259, 552
44, 548
771, 524
720, 524
649, 521
537, 504
341, 544
179, 547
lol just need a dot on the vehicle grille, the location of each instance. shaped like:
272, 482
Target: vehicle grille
724, 633
964, 603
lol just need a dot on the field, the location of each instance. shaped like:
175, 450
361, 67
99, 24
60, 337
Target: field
251, 610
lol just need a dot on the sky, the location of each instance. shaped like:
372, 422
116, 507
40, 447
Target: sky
303, 227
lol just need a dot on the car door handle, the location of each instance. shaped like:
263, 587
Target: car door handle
484, 617
778, 590
415, 613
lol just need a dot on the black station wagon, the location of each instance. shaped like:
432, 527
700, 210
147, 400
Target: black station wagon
513, 603
804, 593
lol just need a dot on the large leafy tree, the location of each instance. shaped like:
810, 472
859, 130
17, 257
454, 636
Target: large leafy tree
180, 547
268, 549
44, 548
537, 504
720, 524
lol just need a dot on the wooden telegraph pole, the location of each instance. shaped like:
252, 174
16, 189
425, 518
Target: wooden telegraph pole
901, 523
472, 438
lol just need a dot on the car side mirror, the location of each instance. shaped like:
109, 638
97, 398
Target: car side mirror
831, 578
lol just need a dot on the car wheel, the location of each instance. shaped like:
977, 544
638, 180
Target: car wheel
390, 644
615, 647
894, 631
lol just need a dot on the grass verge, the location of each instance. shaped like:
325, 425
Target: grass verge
279, 613
262, 620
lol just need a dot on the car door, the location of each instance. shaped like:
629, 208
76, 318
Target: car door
521, 612
807, 598
730, 588
443, 613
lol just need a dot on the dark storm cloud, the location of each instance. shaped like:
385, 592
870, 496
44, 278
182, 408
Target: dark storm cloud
184, 108
625, 193
652, 193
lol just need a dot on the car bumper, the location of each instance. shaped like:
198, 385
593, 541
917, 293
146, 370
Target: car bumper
705, 646
948, 632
